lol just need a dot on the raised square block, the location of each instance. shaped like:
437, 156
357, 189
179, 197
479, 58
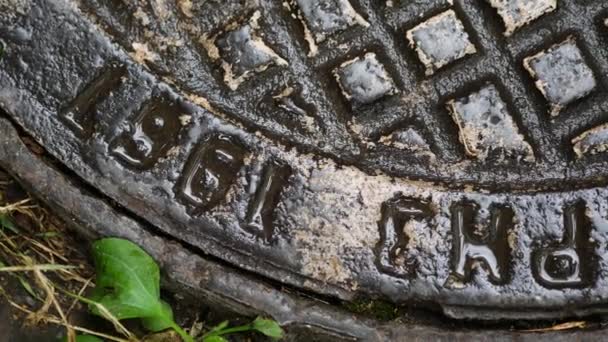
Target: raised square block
486, 127
243, 52
518, 13
326, 17
364, 80
591, 142
440, 41
561, 74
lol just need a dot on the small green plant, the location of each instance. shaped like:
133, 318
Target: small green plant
6, 222
128, 286
267, 327
88, 338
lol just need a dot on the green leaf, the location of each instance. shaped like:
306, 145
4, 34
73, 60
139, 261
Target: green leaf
28, 288
218, 327
214, 338
7, 223
127, 280
267, 327
161, 322
85, 338
48, 235
128, 285
88, 338
24, 283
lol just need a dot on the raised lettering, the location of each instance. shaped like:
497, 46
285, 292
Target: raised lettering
210, 171
150, 135
260, 214
397, 213
79, 115
569, 263
493, 253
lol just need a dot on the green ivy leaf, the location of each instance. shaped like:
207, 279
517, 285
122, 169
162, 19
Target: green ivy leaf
267, 327
128, 285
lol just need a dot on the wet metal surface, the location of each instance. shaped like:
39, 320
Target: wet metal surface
301, 168
219, 285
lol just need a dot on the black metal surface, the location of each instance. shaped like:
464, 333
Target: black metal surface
219, 285
349, 157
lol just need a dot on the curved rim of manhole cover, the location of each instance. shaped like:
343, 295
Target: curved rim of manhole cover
185, 271
450, 153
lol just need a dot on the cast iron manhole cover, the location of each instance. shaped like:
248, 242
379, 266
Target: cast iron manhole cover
448, 153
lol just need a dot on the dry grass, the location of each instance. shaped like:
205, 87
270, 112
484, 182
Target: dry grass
38, 253
41, 258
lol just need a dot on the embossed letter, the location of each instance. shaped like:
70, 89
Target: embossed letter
79, 115
396, 214
260, 213
569, 263
494, 253
150, 135
211, 169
